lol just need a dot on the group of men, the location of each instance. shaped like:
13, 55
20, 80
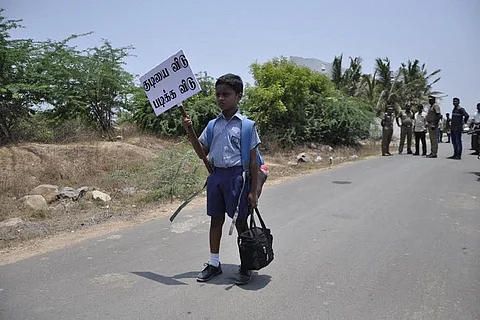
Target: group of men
431, 121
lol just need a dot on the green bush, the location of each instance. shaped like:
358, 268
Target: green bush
338, 121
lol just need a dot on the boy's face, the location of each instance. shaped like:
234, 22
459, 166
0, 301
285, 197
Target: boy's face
227, 99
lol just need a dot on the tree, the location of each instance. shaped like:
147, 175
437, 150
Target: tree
90, 84
294, 105
279, 98
350, 80
18, 89
418, 83
388, 84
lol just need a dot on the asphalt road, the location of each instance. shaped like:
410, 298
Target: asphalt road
385, 238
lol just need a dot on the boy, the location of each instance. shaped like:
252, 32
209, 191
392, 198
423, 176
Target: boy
226, 187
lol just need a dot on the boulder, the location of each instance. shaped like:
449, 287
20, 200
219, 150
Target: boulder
34, 202
11, 222
303, 157
48, 191
68, 192
100, 196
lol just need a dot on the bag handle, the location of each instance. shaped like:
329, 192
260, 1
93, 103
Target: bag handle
252, 218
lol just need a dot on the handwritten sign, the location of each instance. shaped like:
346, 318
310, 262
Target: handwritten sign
170, 83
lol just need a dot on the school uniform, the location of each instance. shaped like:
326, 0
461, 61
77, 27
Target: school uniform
225, 185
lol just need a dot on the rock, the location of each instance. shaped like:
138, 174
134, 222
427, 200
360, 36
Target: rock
313, 146
354, 156
48, 191
101, 196
330, 160
303, 157
330, 149
292, 163
318, 159
34, 202
68, 192
364, 142
11, 222
82, 192
119, 137
128, 190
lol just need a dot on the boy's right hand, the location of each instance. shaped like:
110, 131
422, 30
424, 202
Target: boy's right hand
186, 122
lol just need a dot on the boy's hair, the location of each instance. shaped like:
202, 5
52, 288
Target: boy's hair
456, 99
231, 80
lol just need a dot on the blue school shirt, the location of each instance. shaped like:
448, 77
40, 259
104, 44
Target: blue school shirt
225, 150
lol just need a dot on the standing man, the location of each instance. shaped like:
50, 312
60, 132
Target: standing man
405, 128
387, 130
420, 128
433, 116
448, 124
459, 118
440, 129
476, 136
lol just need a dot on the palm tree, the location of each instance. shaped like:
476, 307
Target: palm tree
337, 76
388, 83
370, 87
349, 81
417, 82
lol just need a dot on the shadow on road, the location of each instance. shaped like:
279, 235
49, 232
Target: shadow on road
477, 174
341, 182
227, 278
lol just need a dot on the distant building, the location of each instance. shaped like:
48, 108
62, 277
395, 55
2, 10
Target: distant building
314, 64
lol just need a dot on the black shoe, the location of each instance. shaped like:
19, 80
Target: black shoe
474, 153
416, 154
409, 152
243, 276
389, 154
424, 154
432, 156
209, 272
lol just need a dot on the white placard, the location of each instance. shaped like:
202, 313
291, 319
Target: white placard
170, 83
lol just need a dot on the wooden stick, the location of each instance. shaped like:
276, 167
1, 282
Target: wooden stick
195, 143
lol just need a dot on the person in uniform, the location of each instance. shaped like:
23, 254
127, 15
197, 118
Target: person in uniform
406, 117
387, 130
433, 116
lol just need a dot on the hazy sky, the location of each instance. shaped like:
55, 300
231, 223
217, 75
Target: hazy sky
227, 36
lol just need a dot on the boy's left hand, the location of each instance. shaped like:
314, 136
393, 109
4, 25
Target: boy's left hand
253, 199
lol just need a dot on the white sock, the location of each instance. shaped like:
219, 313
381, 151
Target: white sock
214, 259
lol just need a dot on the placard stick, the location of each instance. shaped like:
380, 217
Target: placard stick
195, 143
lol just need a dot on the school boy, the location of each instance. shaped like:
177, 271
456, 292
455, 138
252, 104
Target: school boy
226, 187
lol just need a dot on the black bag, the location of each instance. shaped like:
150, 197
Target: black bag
255, 245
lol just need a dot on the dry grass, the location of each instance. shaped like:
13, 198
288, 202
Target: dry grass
160, 172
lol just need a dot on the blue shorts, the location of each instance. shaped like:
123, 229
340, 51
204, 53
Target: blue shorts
224, 187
